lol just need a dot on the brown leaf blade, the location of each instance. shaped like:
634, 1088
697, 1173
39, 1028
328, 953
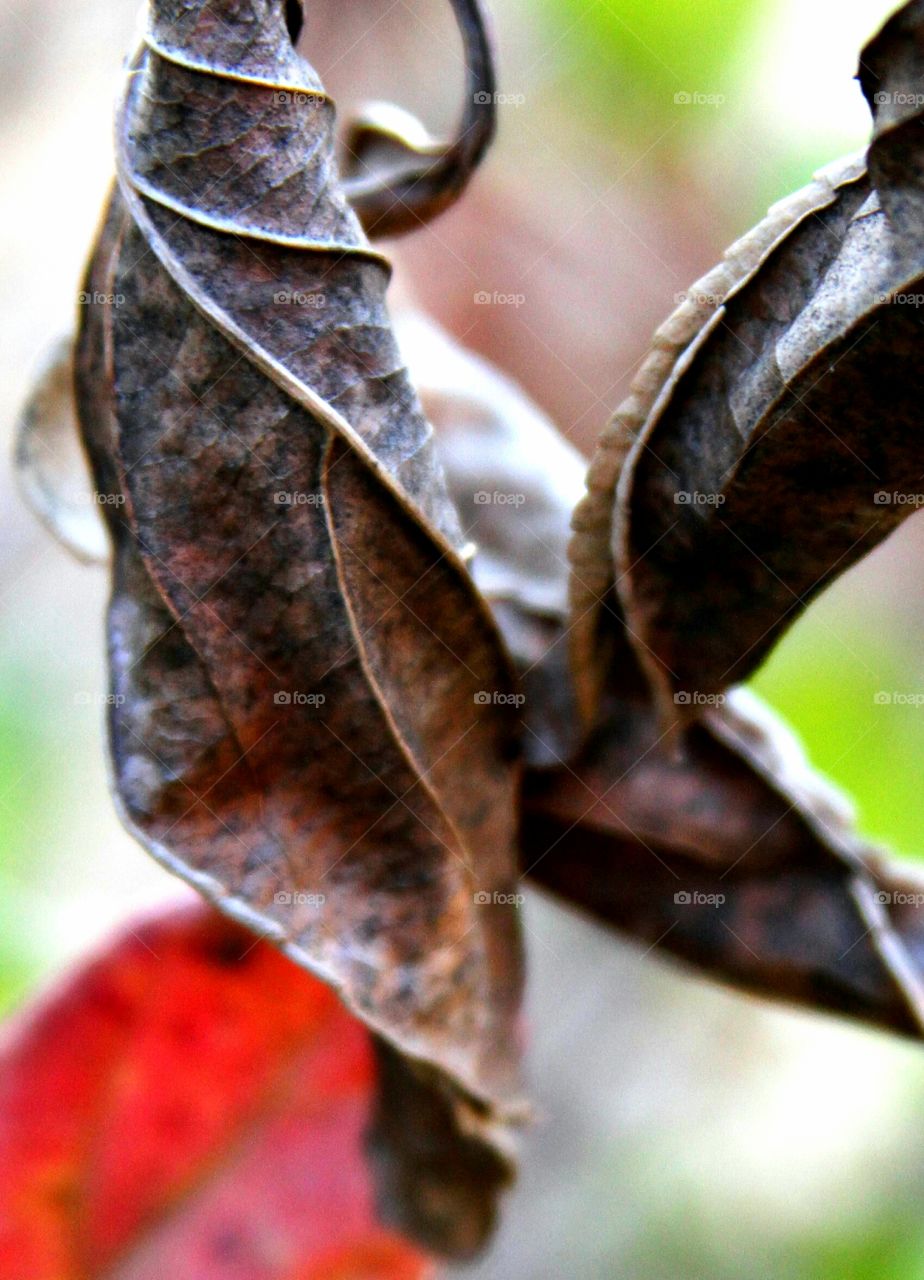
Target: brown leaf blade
771, 438
287, 556
734, 857
514, 481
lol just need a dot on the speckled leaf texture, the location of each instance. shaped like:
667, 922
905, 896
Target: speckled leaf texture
308, 718
771, 438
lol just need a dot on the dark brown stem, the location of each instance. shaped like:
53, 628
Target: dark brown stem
409, 183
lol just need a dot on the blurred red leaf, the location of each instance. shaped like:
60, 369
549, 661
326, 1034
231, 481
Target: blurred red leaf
190, 1104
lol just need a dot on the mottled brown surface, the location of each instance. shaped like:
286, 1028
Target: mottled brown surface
296, 725
778, 896
786, 447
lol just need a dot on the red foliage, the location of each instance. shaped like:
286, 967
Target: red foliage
192, 1105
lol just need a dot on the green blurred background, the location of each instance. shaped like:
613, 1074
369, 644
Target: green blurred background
683, 1131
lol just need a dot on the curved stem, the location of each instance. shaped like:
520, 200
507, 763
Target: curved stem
424, 179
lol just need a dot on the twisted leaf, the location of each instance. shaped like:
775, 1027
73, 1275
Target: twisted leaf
733, 856
774, 415
770, 440
305, 719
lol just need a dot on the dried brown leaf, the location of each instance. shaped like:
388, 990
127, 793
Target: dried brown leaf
770, 440
735, 857
747, 469
299, 656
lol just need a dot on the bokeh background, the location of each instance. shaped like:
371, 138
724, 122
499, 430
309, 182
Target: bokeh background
682, 1131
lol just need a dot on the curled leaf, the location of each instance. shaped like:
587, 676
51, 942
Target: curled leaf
52, 473
735, 857
651, 479
770, 440
307, 693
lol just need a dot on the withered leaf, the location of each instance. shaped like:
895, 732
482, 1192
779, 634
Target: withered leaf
308, 719
733, 856
730, 853
51, 471
770, 439
396, 175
